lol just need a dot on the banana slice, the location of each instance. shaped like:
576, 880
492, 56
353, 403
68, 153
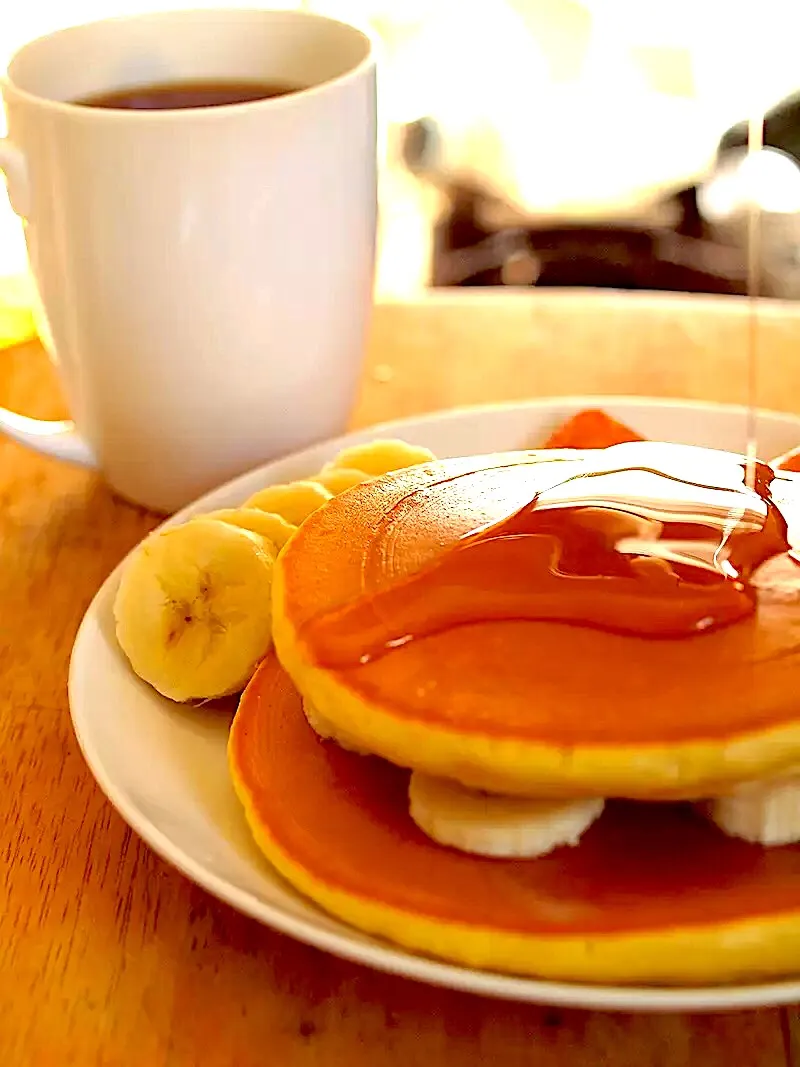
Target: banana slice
265, 523
380, 457
337, 479
193, 608
321, 727
488, 825
293, 502
327, 731
766, 813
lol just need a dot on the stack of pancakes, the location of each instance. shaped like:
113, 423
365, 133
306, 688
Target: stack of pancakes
501, 704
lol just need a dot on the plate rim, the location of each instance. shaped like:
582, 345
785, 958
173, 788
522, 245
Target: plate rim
375, 953
463, 411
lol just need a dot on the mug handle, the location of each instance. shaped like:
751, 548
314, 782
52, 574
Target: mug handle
58, 439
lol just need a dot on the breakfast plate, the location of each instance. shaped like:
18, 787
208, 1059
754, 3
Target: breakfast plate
164, 768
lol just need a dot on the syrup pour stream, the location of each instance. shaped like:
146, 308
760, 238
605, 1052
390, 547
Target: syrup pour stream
755, 143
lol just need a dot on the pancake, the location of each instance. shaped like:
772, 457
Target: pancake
525, 705
652, 893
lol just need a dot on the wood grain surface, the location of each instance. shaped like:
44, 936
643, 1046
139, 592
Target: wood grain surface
107, 956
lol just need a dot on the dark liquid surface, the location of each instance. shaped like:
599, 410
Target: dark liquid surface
648, 540
178, 95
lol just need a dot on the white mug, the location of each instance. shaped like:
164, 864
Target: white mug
205, 274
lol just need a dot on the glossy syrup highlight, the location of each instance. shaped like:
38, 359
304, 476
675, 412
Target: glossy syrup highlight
651, 541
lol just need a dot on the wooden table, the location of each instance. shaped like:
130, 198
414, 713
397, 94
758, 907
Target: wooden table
109, 957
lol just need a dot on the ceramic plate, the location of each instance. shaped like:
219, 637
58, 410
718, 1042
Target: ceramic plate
163, 766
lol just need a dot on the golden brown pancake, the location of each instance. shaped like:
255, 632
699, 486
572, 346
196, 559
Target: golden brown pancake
653, 893
525, 705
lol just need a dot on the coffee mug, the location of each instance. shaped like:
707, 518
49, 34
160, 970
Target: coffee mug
204, 273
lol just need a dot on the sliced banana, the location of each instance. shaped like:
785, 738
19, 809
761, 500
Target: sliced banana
327, 731
294, 502
488, 825
380, 457
193, 609
766, 813
321, 727
266, 523
337, 479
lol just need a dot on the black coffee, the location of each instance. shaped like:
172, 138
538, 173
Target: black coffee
172, 96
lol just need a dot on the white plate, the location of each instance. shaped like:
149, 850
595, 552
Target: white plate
163, 766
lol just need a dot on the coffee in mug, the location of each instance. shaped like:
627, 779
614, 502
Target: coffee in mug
171, 96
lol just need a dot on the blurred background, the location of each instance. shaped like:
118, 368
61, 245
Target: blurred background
552, 142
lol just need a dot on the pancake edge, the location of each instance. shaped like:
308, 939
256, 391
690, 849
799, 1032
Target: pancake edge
689, 770
748, 950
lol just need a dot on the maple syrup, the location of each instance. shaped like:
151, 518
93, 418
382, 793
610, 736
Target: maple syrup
755, 143
645, 539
